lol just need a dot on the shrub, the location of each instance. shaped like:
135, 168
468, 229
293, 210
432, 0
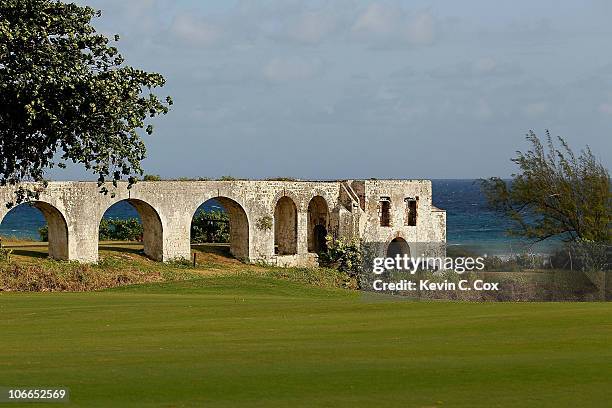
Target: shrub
5, 254
110, 230
207, 226
57, 276
264, 223
583, 255
121, 230
210, 226
345, 255
43, 232
151, 177
282, 179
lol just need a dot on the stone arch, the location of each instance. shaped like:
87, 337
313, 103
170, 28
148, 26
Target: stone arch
297, 199
238, 227
57, 228
153, 230
285, 226
318, 223
397, 246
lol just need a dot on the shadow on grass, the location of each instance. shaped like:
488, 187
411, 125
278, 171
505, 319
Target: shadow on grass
215, 249
135, 249
33, 249
39, 249
31, 253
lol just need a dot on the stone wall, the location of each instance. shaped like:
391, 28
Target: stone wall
302, 212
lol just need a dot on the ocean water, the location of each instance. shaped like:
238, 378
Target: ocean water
469, 222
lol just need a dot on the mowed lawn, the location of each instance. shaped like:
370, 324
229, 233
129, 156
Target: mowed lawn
236, 341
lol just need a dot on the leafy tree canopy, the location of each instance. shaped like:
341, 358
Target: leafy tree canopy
556, 194
67, 96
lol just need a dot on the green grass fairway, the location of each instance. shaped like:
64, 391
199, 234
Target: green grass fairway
236, 341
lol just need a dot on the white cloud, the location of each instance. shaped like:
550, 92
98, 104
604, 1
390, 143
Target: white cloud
421, 29
377, 19
138, 8
483, 110
536, 108
606, 108
311, 27
291, 69
485, 65
392, 24
196, 31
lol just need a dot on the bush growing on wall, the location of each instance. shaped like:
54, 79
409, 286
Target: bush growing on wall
346, 255
265, 223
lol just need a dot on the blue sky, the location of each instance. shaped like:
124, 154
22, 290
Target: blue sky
359, 89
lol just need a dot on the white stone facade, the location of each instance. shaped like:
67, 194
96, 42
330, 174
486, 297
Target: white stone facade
278, 222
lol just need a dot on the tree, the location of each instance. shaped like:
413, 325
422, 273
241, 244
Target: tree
67, 96
210, 226
556, 194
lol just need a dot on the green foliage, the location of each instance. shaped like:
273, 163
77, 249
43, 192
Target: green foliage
556, 194
593, 256
43, 232
517, 262
282, 179
151, 177
264, 223
343, 254
190, 179
120, 230
210, 226
583, 255
207, 226
227, 178
5, 254
110, 230
64, 88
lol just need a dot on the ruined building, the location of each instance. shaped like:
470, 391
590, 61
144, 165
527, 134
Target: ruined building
278, 222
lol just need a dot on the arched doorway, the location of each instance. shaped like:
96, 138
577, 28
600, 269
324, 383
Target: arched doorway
222, 220
38, 220
133, 220
398, 246
285, 227
318, 216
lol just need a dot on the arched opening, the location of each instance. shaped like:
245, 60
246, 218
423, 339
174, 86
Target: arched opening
398, 246
36, 221
223, 222
285, 227
133, 221
318, 216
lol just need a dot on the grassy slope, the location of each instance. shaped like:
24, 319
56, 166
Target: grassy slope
231, 341
123, 263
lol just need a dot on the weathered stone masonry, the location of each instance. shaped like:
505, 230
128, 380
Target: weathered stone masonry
279, 222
